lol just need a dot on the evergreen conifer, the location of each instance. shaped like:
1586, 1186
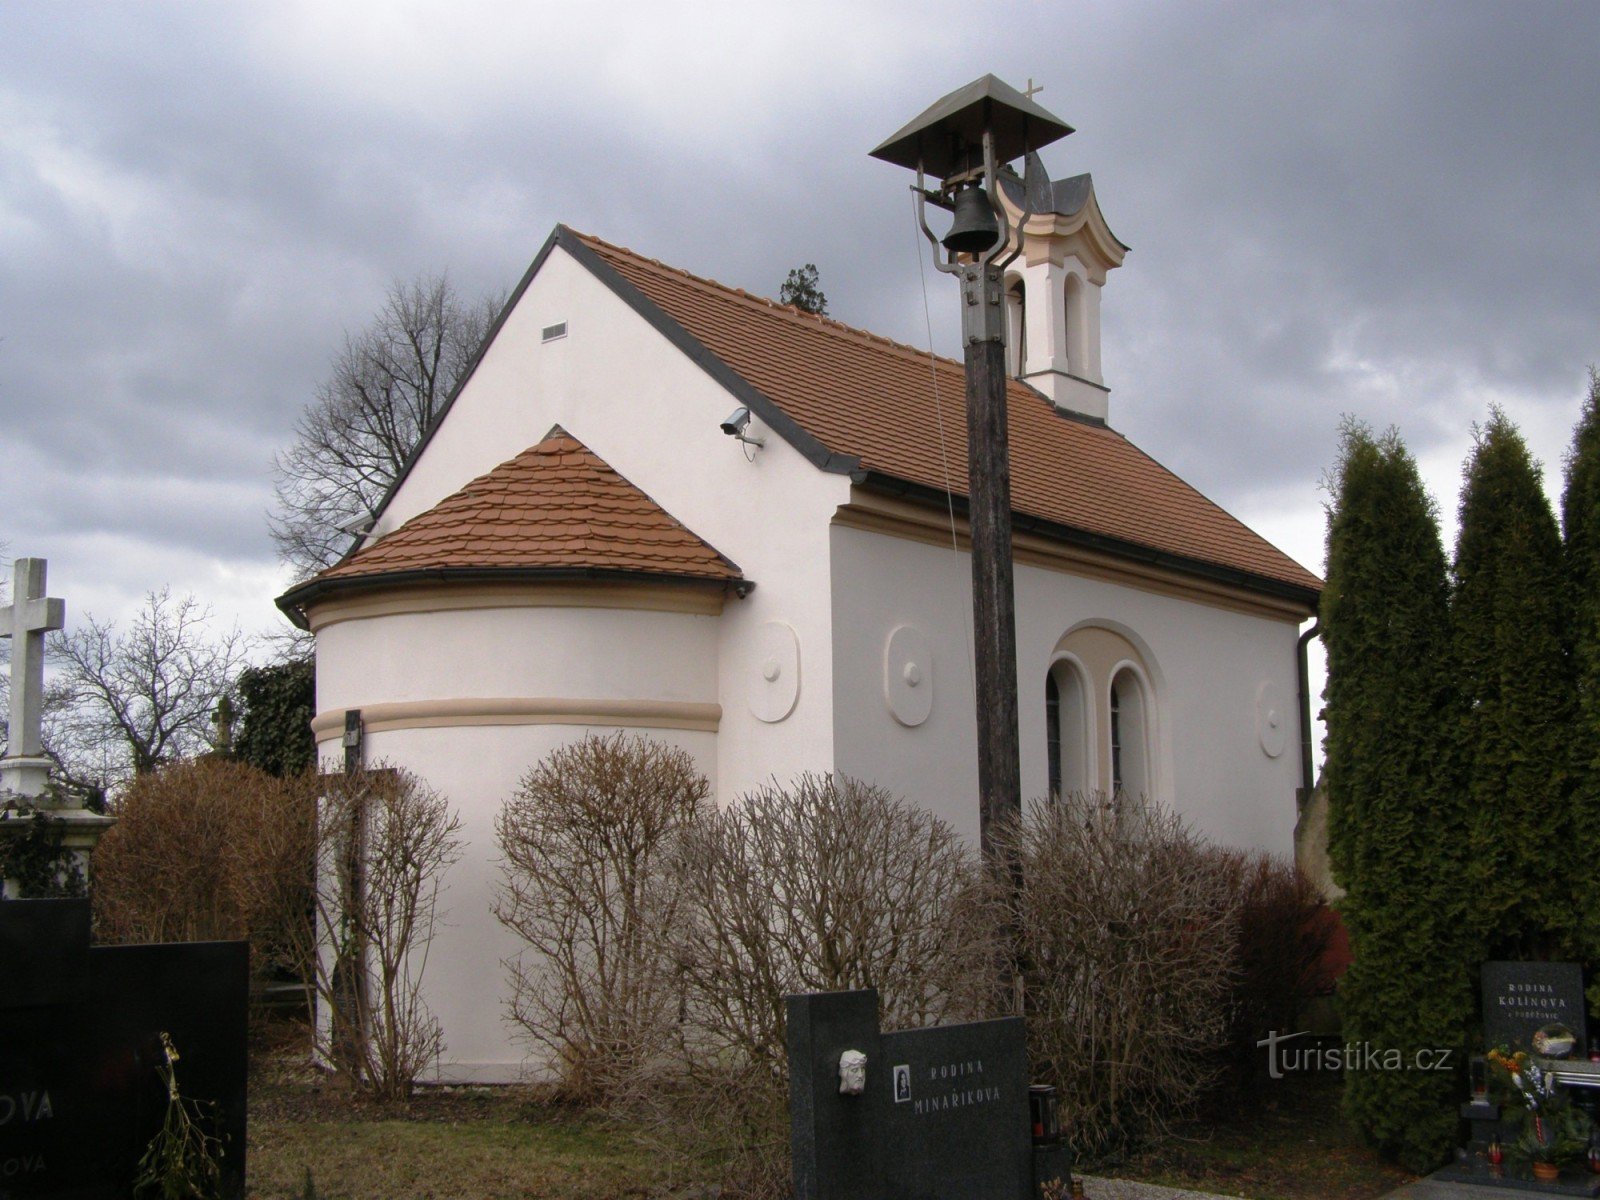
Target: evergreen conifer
274, 734
1580, 523
1397, 821
1507, 613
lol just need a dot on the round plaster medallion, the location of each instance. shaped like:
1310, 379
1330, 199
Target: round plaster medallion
775, 682
908, 675
1272, 720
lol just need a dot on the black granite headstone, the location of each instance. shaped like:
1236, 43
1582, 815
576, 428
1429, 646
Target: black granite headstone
833, 1139
1519, 998
80, 1097
957, 1120
944, 1114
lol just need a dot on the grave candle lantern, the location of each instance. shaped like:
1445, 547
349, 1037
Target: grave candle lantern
1044, 1113
1478, 1071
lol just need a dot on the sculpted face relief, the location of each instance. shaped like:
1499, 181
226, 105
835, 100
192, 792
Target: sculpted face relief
852, 1073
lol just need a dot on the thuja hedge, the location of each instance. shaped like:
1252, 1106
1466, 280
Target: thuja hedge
1463, 748
1508, 626
1580, 523
1396, 811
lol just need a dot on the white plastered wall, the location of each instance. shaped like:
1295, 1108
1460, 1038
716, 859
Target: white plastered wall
615, 383
571, 656
1207, 666
621, 388
465, 981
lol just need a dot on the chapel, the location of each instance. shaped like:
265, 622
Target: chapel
661, 505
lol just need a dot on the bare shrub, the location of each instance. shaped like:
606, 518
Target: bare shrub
384, 841
586, 842
825, 885
1127, 926
1283, 935
206, 850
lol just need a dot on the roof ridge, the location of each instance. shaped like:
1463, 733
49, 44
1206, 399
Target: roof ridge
767, 302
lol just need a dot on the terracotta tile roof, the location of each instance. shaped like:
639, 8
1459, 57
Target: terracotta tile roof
873, 399
555, 506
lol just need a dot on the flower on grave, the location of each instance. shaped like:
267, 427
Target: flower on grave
170, 1052
1553, 1130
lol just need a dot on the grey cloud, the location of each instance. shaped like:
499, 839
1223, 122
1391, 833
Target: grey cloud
1380, 208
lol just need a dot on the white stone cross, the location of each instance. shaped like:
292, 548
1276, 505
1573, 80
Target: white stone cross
26, 620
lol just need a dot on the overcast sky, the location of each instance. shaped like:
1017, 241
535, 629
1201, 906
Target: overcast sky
1390, 210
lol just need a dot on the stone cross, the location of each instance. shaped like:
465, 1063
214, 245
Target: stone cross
26, 620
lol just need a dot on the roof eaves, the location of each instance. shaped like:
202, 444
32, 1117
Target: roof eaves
702, 356
294, 602
1131, 551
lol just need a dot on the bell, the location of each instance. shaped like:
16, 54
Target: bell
975, 228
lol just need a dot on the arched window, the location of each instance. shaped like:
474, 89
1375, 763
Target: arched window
1130, 752
1067, 729
1016, 326
1077, 327
1103, 722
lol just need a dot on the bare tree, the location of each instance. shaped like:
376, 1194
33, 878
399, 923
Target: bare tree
387, 384
587, 840
125, 703
383, 843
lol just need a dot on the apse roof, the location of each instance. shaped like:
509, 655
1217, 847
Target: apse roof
555, 510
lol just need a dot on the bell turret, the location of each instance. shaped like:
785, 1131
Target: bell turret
1053, 289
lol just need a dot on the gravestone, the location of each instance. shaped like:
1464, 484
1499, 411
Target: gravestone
1519, 998
25, 793
80, 1041
30, 615
943, 1112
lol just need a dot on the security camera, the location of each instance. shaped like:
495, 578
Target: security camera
736, 424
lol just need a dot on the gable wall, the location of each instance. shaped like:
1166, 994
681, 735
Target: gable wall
1207, 665
621, 388
549, 672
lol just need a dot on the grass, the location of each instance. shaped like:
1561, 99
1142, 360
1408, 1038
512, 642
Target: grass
1290, 1143
493, 1153
444, 1144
